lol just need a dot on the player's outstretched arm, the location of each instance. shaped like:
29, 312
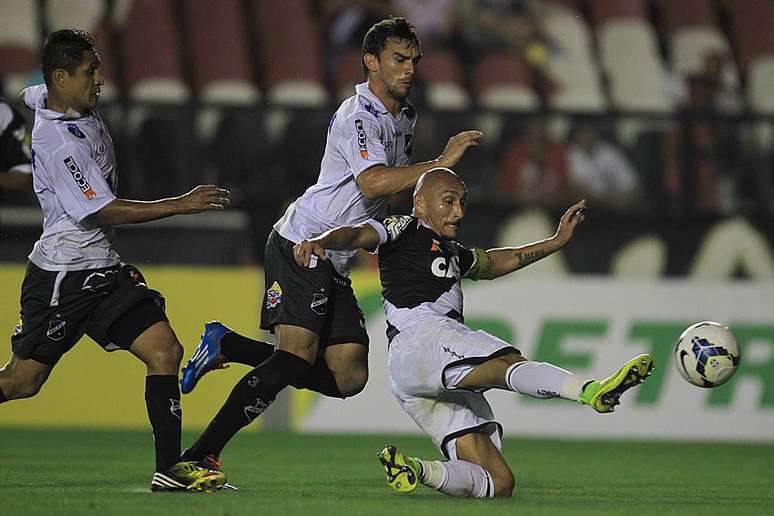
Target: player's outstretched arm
379, 181
363, 236
508, 259
202, 198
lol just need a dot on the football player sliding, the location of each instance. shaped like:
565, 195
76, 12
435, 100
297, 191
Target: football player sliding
439, 368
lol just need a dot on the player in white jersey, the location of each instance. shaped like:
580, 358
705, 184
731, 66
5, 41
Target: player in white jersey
439, 368
322, 344
75, 283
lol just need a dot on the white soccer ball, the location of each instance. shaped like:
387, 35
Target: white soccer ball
707, 354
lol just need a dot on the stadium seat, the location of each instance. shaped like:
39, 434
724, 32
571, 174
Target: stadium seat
502, 81
629, 55
691, 28
90, 15
218, 46
153, 68
289, 46
572, 71
19, 43
750, 23
443, 77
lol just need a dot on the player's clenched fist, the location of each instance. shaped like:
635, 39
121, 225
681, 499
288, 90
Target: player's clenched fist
457, 146
203, 198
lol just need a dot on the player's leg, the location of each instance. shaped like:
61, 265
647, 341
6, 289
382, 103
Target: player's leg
218, 346
342, 370
296, 349
476, 469
22, 378
543, 380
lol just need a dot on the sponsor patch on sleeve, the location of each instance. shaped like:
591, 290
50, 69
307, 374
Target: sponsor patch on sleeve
79, 178
361, 138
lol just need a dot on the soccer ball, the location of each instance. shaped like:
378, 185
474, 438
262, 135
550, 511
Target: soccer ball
707, 354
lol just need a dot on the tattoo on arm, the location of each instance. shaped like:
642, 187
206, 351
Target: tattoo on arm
527, 258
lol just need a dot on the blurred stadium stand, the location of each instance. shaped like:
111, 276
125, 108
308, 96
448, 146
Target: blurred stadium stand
239, 93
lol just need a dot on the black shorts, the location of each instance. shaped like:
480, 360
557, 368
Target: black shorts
318, 299
59, 307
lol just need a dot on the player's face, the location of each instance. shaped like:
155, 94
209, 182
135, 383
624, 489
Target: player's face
443, 207
396, 67
82, 88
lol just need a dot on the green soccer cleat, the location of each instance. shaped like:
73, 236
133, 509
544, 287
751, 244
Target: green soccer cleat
603, 395
402, 472
187, 476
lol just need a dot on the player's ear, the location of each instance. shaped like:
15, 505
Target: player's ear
59, 75
419, 204
371, 62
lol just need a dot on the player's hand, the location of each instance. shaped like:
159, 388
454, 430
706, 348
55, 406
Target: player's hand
457, 146
204, 198
569, 221
304, 251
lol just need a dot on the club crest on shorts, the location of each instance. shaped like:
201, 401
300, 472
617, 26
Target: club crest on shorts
273, 295
56, 329
19, 327
319, 304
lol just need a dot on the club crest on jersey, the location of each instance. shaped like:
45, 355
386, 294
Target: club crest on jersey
273, 295
396, 224
79, 178
75, 130
56, 329
361, 138
319, 304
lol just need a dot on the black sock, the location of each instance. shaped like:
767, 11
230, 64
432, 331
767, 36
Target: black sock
249, 398
2, 396
162, 397
243, 350
320, 379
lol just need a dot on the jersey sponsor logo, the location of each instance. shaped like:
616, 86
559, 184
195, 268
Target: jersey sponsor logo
79, 178
273, 295
361, 138
56, 329
435, 246
319, 303
75, 130
396, 224
444, 268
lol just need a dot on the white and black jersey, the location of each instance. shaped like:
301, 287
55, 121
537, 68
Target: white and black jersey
14, 152
362, 134
420, 271
74, 176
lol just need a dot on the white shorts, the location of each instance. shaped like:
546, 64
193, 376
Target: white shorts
426, 362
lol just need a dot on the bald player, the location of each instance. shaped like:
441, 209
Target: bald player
439, 368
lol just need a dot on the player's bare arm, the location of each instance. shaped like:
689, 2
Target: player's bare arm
202, 198
363, 236
379, 181
508, 259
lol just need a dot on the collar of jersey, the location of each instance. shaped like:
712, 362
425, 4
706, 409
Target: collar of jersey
363, 90
50, 114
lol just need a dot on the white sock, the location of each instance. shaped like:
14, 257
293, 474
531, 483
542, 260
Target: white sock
543, 380
457, 478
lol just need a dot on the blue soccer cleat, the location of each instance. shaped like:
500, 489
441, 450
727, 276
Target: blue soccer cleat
206, 358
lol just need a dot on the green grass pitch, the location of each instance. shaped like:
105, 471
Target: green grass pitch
107, 472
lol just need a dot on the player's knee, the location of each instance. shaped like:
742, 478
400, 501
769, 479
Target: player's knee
503, 482
353, 383
22, 387
166, 356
